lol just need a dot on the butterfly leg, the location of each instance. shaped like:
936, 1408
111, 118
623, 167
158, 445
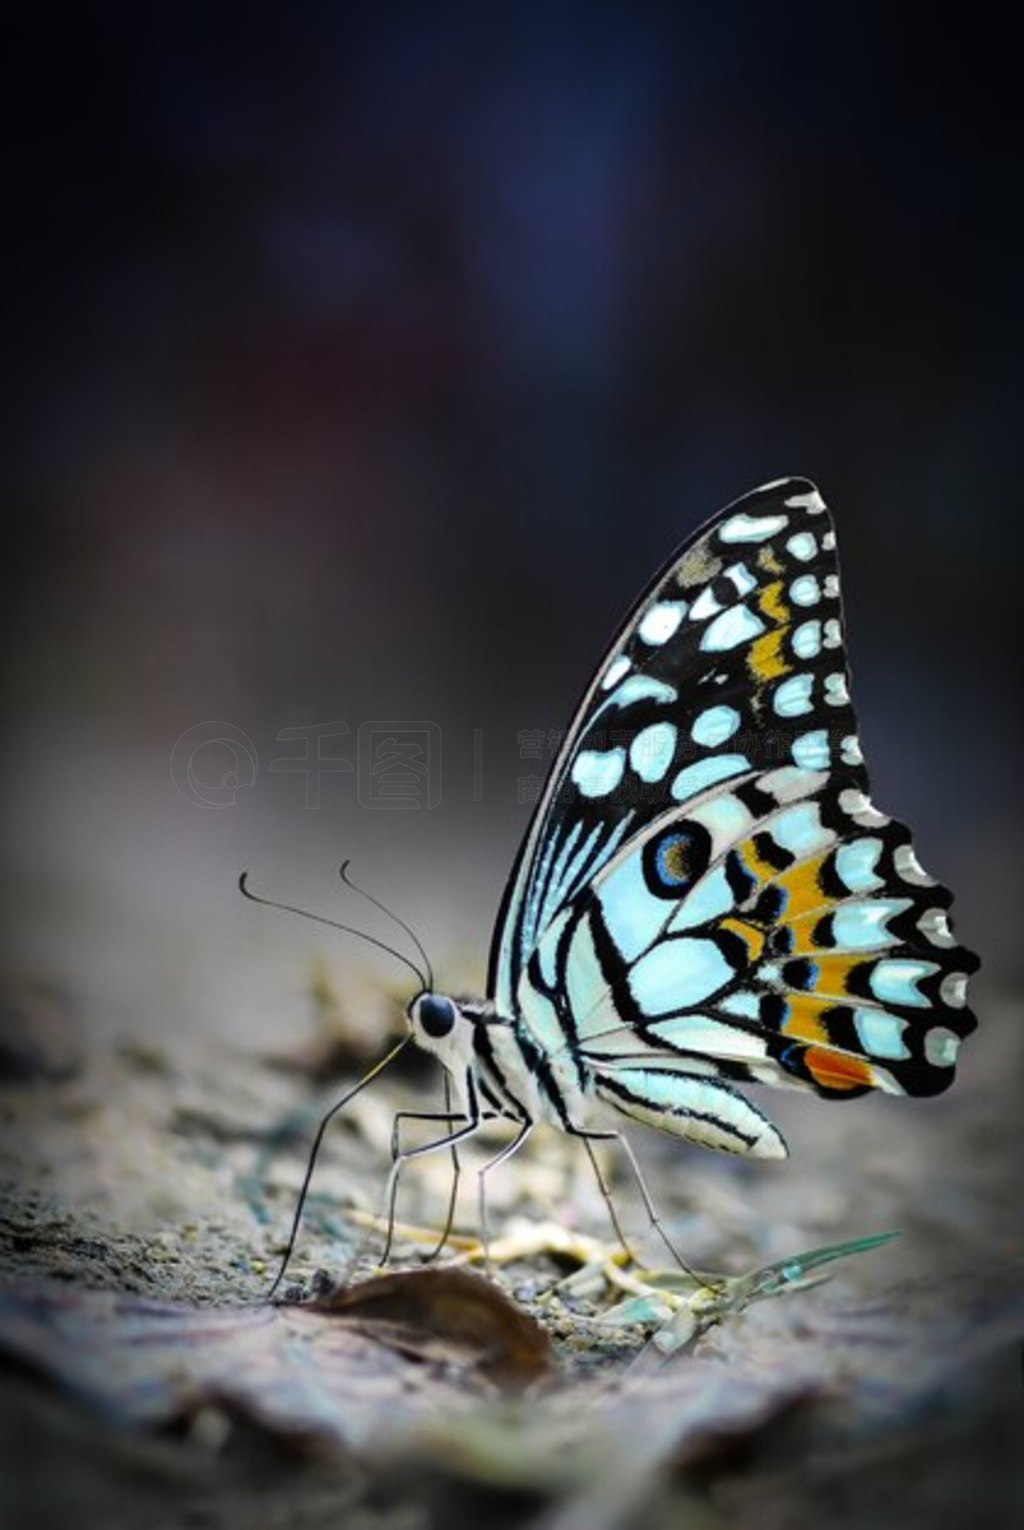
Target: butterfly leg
654, 1218
472, 1119
456, 1176
602, 1185
314, 1151
645, 1196
525, 1128
447, 1116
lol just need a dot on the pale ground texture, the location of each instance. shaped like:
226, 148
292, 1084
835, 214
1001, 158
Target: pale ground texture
159, 1166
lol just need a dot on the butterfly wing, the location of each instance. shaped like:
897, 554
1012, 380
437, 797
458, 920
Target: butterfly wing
706, 894
748, 604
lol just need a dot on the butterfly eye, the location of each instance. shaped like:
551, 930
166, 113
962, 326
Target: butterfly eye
436, 1015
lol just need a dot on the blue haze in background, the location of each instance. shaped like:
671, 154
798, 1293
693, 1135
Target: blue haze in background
367, 362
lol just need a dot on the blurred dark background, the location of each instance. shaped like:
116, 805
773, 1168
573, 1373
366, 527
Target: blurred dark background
367, 360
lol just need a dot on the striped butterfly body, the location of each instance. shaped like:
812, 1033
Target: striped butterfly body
707, 897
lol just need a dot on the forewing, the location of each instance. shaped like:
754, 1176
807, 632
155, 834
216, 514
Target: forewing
732, 661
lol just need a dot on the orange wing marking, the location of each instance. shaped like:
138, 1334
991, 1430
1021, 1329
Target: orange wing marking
802, 887
836, 1070
803, 1017
752, 936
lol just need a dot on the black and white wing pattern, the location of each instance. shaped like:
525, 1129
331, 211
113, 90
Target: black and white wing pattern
706, 895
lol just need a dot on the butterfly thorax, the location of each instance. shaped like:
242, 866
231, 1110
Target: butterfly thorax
494, 1064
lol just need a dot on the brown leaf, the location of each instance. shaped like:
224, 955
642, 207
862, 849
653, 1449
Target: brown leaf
449, 1317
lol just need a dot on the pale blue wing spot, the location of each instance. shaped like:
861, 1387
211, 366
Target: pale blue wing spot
696, 778
833, 633
585, 983
547, 951
856, 862
745, 1006
548, 874
635, 918
597, 772
704, 606
742, 579
751, 528
881, 1035
541, 1020
674, 1062
652, 751
953, 989
895, 982
807, 640
805, 591
715, 726
789, 782
569, 869
934, 926
607, 1038
941, 1046
811, 501
711, 898
850, 750
803, 546
711, 1038
661, 622
552, 866
793, 697
860, 808
735, 626
800, 830
726, 820
678, 974
836, 693
638, 688
594, 854
909, 867
810, 750
615, 672
862, 926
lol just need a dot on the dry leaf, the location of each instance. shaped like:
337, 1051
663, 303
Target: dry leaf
451, 1317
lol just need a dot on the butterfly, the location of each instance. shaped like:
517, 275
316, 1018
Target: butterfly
706, 897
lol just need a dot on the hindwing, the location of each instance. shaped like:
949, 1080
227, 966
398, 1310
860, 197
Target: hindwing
778, 931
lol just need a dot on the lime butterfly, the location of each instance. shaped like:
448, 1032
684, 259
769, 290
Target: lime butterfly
706, 896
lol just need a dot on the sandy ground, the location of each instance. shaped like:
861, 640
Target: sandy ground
162, 1167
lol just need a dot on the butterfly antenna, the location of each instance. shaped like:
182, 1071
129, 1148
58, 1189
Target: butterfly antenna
346, 878
314, 1151
347, 929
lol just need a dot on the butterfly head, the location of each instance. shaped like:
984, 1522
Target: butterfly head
441, 1026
